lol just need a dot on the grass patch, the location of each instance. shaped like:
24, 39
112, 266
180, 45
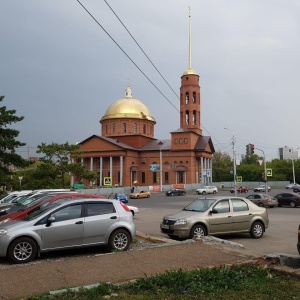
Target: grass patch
234, 283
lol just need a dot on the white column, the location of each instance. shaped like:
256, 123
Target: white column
101, 171
121, 170
110, 168
202, 178
91, 167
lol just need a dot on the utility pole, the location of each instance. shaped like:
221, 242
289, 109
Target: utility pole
234, 159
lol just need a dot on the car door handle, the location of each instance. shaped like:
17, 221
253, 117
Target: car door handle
113, 217
79, 222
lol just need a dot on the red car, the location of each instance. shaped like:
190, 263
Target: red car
240, 189
43, 202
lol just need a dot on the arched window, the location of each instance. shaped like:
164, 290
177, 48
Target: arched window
194, 117
187, 121
194, 97
134, 128
124, 127
187, 97
114, 127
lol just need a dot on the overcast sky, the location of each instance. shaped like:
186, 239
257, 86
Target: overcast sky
61, 70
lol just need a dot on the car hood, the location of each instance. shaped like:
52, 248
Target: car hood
15, 224
184, 214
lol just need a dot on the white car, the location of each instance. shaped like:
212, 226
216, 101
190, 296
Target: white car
208, 189
261, 188
134, 210
291, 185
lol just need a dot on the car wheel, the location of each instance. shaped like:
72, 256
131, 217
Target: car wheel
172, 194
119, 240
257, 230
138, 197
260, 204
203, 193
214, 192
132, 213
292, 204
148, 196
198, 193
22, 250
198, 231
183, 194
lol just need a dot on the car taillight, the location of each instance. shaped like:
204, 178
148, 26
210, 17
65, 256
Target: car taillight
125, 207
299, 231
269, 200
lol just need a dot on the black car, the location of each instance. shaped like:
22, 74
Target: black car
288, 199
176, 192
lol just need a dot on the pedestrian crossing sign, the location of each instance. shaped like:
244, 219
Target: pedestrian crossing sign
107, 181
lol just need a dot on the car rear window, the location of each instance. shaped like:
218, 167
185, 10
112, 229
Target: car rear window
94, 209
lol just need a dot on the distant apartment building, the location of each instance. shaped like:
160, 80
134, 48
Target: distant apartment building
287, 153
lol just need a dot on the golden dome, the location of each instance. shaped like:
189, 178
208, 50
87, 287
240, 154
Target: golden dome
127, 107
190, 72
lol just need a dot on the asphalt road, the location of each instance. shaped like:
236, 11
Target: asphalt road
280, 237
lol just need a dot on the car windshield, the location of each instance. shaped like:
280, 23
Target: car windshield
121, 195
200, 205
40, 211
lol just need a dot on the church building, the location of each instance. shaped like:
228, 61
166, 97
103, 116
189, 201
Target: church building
128, 152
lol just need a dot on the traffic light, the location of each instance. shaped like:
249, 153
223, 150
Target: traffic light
252, 148
248, 149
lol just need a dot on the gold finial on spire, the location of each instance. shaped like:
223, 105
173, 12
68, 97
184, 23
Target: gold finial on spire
190, 71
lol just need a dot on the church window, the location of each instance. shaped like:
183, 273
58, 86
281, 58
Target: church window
143, 177
180, 176
144, 128
154, 177
106, 129
180, 141
175, 140
187, 121
124, 127
194, 97
185, 140
114, 127
166, 177
134, 128
194, 117
187, 96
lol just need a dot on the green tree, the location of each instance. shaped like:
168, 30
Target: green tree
9, 142
221, 165
60, 156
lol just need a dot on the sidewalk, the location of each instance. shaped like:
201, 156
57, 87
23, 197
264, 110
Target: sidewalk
43, 276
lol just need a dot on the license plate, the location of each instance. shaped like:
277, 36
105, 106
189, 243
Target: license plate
165, 226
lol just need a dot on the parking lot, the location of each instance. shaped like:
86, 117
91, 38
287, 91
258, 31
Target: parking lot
280, 237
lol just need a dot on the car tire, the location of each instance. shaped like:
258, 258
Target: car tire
148, 196
119, 240
183, 194
138, 197
132, 213
260, 204
257, 230
292, 204
172, 194
203, 193
214, 192
198, 231
22, 250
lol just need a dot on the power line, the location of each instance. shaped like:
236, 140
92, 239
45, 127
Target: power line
127, 55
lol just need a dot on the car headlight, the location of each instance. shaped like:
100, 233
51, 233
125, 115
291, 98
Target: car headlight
180, 222
4, 209
3, 232
4, 221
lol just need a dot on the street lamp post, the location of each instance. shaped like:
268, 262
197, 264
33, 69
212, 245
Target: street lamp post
234, 159
160, 166
265, 167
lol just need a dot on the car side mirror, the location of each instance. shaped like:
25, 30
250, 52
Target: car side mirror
213, 211
50, 220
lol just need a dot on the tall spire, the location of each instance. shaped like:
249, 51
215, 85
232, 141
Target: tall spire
190, 70
190, 41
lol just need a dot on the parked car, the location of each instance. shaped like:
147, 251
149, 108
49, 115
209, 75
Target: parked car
263, 200
42, 203
296, 188
262, 188
216, 215
122, 197
207, 190
11, 196
240, 189
176, 192
291, 185
73, 224
134, 210
288, 199
141, 194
